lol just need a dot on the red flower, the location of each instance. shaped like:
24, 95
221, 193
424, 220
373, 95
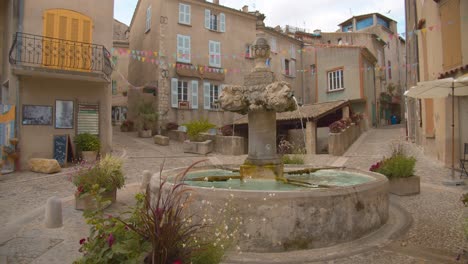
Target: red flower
110, 240
82, 241
178, 261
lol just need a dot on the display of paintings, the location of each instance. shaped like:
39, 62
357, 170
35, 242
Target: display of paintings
37, 115
64, 114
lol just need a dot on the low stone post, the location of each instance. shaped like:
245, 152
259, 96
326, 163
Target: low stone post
53, 213
146, 180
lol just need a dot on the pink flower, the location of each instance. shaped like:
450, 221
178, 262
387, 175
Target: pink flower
110, 240
82, 241
178, 261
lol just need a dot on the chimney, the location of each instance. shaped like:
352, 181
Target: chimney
216, 2
245, 9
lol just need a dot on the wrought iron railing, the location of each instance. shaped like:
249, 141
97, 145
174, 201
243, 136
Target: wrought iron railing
40, 51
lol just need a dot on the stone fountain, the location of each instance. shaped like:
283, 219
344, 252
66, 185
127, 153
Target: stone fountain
261, 97
282, 208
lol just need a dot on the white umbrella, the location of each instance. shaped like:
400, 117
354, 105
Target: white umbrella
440, 89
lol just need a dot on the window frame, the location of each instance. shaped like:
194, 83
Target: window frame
214, 90
335, 80
148, 19
180, 91
185, 55
214, 56
187, 15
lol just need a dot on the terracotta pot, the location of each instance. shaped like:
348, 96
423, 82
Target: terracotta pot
89, 156
88, 203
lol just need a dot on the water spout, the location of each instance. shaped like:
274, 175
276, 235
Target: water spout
302, 123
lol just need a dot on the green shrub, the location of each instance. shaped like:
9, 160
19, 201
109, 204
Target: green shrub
397, 166
87, 142
293, 159
107, 174
195, 128
147, 117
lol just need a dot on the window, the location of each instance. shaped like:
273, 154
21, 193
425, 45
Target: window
288, 67
216, 22
184, 92
211, 94
114, 87
215, 53
148, 19
335, 80
249, 51
313, 68
292, 52
184, 14
183, 48
273, 45
389, 64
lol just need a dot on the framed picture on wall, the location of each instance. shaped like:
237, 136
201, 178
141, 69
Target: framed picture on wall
64, 114
37, 115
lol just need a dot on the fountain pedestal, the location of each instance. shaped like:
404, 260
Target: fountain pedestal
262, 162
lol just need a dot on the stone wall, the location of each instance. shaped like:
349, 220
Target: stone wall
338, 143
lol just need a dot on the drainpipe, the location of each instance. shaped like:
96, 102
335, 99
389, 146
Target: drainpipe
19, 29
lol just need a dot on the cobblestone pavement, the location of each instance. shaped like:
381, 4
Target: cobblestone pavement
435, 236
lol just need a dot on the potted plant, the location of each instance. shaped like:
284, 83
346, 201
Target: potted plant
127, 126
88, 145
196, 142
106, 175
147, 117
399, 169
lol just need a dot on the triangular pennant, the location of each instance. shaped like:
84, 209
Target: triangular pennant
155, 53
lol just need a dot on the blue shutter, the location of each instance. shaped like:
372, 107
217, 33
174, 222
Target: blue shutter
207, 18
194, 94
174, 97
206, 95
222, 22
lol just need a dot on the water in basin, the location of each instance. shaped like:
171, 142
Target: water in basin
328, 178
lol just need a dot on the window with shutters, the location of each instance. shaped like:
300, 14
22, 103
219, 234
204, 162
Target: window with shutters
214, 95
214, 53
184, 94
182, 91
288, 67
183, 48
69, 26
214, 21
335, 80
148, 19
184, 14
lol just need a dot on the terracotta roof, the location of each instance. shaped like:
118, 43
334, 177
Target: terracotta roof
452, 71
313, 111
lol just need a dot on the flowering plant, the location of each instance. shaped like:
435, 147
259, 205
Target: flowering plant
106, 174
337, 126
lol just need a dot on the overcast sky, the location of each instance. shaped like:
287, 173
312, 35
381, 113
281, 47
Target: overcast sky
309, 14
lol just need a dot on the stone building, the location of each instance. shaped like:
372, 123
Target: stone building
196, 48
437, 48
120, 59
55, 69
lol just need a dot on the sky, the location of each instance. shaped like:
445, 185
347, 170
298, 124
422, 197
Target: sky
308, 14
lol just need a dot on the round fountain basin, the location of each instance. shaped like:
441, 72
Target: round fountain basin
342, 205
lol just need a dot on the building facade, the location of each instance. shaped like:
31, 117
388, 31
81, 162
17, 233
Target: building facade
119, 83
56, 71
200, 47
437, 48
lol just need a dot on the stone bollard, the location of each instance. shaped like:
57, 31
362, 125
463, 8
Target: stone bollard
146, 180
53, 213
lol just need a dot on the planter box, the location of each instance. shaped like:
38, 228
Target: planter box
405, 186
198, 147
145, 133
89, 156
229, 145
336, 144
88, 203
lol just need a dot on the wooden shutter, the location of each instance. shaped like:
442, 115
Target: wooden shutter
174, 95
187, 48
188, 14
181, 13
292, 68
194, 94
206, 95
218, 54
48, 45
283, 65
211, 52
207, 18
222, 22
88, 119
451, 33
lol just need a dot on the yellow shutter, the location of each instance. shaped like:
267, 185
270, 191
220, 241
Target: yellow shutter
451, 33
74, 28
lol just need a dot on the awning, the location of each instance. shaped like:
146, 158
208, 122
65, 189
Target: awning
440, 88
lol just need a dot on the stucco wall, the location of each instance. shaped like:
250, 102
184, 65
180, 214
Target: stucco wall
37, 141
332, 58
101, 12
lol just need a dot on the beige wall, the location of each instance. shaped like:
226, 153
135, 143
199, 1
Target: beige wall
37, 141
8, 24
120, 74
101, 12
331, 58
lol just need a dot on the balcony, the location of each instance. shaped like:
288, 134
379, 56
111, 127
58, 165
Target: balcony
39, 55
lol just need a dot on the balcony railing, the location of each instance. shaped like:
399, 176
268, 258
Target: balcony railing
53, 53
